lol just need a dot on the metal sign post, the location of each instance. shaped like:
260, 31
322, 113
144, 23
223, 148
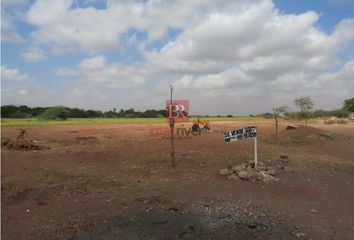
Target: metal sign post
255, 151
243, 133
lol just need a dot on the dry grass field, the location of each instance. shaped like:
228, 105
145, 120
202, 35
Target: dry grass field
115, 181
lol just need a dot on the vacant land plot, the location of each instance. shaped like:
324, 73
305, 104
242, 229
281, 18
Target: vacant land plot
79, 121
115, 181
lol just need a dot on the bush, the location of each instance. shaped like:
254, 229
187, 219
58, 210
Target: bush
330, 122
292, 115
55, 113
18, 114
341, 121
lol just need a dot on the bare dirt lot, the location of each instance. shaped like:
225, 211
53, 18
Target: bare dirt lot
116, 182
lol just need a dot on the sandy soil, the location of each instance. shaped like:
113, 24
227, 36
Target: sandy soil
116, 182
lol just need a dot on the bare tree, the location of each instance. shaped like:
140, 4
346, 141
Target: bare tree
277, 112
305, 104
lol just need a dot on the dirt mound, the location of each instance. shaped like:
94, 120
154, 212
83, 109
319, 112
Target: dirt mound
23, 144
304, 135
5, 141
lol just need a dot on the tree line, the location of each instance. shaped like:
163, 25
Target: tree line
61, 112
305, 106
306, 110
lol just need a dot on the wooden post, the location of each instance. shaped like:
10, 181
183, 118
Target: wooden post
172, 125
276, 121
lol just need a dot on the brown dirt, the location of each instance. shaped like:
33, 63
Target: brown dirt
116, 182
23, 144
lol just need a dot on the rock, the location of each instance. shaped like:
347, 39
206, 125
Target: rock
245, 171
237, 168
252, 225
291, 127
260, 167
284, 157
251, 164
260, 164
270, 171
243, 175
225, 171
252, 175
259, 177
173, 209
288, 169
267, 177
313, 210
232, 177
249, 168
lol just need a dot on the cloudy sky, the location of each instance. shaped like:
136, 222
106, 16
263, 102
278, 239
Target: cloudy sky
225, 56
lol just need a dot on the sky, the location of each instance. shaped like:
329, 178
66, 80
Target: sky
235, 57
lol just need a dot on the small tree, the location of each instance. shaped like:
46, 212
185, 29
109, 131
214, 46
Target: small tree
305, 104
55, 113
349, 105
277, 112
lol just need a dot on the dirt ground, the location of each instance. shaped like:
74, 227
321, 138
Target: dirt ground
116, 182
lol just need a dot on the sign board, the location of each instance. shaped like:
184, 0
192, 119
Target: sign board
240, 134
243, 133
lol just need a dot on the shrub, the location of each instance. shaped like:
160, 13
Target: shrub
55, 113
330, 121
341, 121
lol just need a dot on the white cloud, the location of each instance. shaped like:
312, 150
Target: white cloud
230, 56
65, 72
33, 55
11, 3
23, 92
241, 38
12, 75
95, 63
65, 27
113, 75
8, 28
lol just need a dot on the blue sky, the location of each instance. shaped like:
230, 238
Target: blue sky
237, 57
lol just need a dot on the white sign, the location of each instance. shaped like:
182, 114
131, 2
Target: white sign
240, 134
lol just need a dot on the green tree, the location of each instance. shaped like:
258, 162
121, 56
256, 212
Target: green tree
77, 113
305, 104
349, 105
55, 113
